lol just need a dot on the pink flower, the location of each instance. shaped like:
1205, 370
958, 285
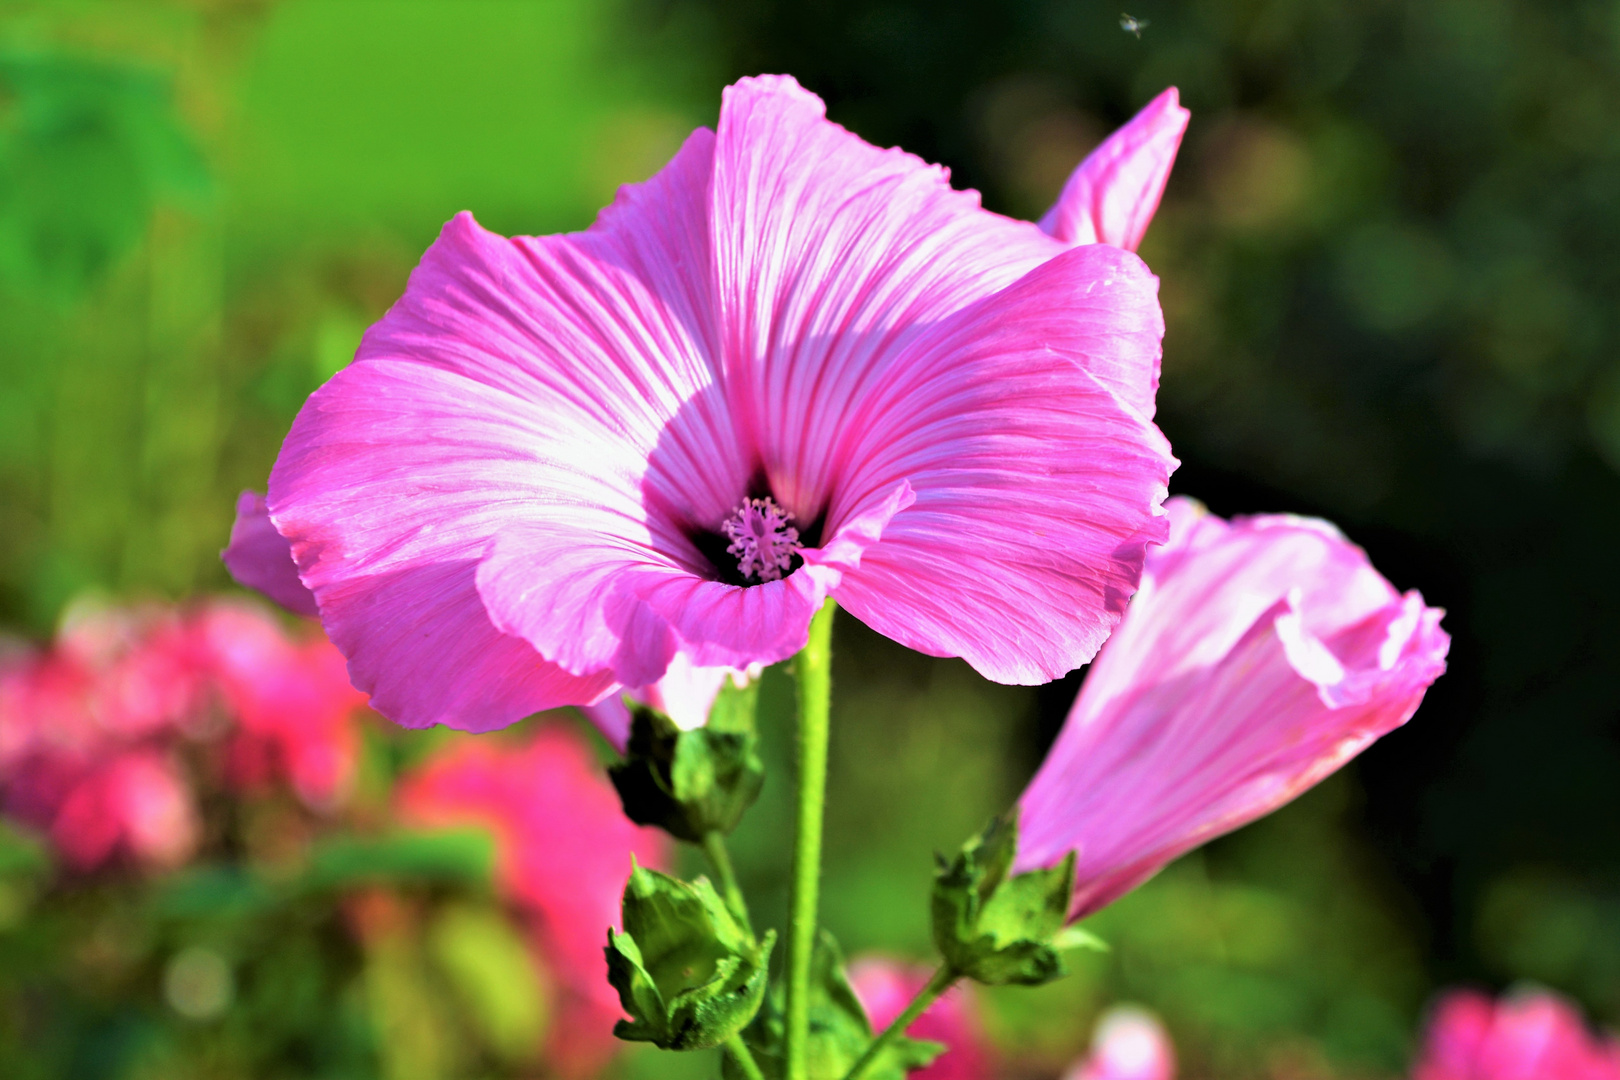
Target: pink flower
260, 558
135, 801
1111, 197
563, 852
791, 365
1258, 657
1528, 1036
886, 987
292, 701
1130, 1044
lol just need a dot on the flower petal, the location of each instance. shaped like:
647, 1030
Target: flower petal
831, 254
260, 558
1177, 760
513, 378
1110, 198
1037, 487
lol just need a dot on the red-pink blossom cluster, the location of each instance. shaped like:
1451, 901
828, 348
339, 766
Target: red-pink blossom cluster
563, 851
100, 733
1532, 1035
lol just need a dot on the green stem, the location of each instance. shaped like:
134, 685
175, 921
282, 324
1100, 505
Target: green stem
814, 670
744, 1059
714, 846
941, 982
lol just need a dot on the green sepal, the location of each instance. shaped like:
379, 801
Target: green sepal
687, 973
998, 929
689, 783
839, 1029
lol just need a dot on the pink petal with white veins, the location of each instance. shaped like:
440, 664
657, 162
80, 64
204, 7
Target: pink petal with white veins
1111, 197
1037, 488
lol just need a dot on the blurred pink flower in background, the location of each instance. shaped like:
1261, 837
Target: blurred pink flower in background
886, 987
86, 735
135, 799
1130, 1044
553, 463
563, 850
1259, 656
1111, 197
291, 699
1532, 1035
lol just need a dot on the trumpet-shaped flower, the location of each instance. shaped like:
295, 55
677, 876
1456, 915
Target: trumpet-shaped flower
1129, 1044
1259, 656
1529, 1036
1111, 196
789, 366
886, 987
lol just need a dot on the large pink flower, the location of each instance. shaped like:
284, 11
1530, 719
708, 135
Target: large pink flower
1530, 1036
563, 851
1111, 197
791, 365
886, 987
1258, 657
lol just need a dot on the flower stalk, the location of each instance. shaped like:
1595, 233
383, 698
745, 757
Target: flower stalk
714, 846
941, 981
813, 667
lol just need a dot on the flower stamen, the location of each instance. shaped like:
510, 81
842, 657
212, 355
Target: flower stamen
763, 540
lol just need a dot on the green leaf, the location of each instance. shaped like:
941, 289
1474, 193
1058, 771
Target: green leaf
689, 783
87, 150
457, 857
494, 975
688, 974
997, 929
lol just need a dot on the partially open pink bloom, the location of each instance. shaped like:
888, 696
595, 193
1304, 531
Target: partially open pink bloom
790, 365
886, 987
563, 852
1527, 1036
1259, 656
1111, 197
261, 559
292, 701
1130, 1044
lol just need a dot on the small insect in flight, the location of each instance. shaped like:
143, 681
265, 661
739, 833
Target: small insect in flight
1132, 25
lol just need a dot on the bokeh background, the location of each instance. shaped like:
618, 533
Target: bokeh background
1390, 256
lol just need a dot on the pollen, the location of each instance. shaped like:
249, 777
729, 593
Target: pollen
763, 539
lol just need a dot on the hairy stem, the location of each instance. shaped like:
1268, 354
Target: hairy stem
937, 985
814, 670
744, 1058
714, 846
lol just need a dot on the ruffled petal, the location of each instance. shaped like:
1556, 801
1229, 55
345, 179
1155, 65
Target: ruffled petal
1204, 589
512, 379
1110, 198
1184, 732
831, 254
260, 558
1037, 488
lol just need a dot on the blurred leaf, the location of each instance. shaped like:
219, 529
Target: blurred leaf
87, 148
491, 968
455, 857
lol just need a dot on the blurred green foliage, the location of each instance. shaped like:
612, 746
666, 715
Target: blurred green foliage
1389, 257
